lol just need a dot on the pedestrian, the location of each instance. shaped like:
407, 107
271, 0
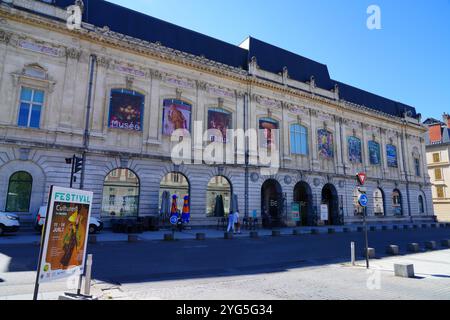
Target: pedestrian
236, 222
230, 222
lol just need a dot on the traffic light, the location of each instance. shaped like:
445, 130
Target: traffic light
78, 165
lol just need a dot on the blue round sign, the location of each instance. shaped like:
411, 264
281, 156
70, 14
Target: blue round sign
173, 219
363, 200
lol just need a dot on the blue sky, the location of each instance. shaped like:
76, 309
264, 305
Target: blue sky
408, 60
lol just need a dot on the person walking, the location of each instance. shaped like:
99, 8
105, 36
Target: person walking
231, 222
237, 224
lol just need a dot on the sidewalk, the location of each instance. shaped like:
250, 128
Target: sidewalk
32, 237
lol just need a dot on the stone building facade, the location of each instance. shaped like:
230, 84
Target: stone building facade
54, 80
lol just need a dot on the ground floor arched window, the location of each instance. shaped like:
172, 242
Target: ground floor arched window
121, 194
19, 192
378, 202
173, 183
397, 203
218, 197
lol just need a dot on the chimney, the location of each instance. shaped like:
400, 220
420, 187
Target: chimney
435, 131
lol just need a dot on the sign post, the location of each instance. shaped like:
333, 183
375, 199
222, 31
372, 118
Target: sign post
363, 201
65, 235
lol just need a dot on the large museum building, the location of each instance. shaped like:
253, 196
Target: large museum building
115, 90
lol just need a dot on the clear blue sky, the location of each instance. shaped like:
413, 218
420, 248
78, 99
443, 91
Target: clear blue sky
408, 60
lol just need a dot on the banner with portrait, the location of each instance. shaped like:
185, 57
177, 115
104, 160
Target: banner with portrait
325, 144
374, 153
221, 120
126, 109
176, 116
391, 154
354, 150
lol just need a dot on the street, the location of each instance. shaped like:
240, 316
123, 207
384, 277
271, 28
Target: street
157, 264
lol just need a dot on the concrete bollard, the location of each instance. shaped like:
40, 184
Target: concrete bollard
133, 238
296, 232
314, 231
228, 235
169, 237
371, 252
430, 245
92, 239
413, 247
445, 243
276, 233
200, 236
331, 230
393, 250
254, 235
404, 270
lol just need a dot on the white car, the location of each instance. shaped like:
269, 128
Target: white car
95, 224
9, 222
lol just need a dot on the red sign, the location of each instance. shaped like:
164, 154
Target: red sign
361, 178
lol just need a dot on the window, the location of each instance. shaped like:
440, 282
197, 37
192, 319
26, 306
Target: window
299, 139
438, 174
19, 192
436, 157
120, 196
440, 192
421, 205
417, 166
31, 103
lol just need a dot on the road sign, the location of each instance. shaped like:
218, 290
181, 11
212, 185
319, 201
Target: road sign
174, 220
363, 200
361, 178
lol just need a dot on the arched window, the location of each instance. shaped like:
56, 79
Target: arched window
218, 197
121, 194
299, 139
378, 202
421, 204
397, 203
19, 192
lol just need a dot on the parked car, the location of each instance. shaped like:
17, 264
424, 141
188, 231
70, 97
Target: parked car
95, 224
9, 222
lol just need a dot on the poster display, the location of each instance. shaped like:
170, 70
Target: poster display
325, 144
176, 116
374, 153
354, 150
125, 110
219, 119
66, 233
391, 154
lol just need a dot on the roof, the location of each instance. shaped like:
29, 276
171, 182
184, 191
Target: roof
269, 57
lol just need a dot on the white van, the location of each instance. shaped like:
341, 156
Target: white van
95, 225
9, 222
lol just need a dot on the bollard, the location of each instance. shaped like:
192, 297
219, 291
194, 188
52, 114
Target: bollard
254, 235
393, 250
352, 252
87, 280
430, 245
200, 236
445, 243
404, 270
276, 233
413, 247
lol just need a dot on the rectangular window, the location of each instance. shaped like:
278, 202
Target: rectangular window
30, 108
440, 192
438, 174
436, 157
417, 166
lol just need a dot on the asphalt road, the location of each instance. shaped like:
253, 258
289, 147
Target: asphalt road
123, 263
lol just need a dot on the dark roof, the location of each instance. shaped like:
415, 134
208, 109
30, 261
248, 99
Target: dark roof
270, 58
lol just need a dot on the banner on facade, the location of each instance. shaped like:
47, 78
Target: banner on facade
66, 232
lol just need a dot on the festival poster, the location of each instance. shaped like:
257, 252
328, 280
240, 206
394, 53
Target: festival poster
374, 153
325, 144
391, 154
354, 150
66, 233
125, 110
176, 116
219, 119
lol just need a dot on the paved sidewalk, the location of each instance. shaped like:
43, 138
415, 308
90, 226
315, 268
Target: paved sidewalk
32, 237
